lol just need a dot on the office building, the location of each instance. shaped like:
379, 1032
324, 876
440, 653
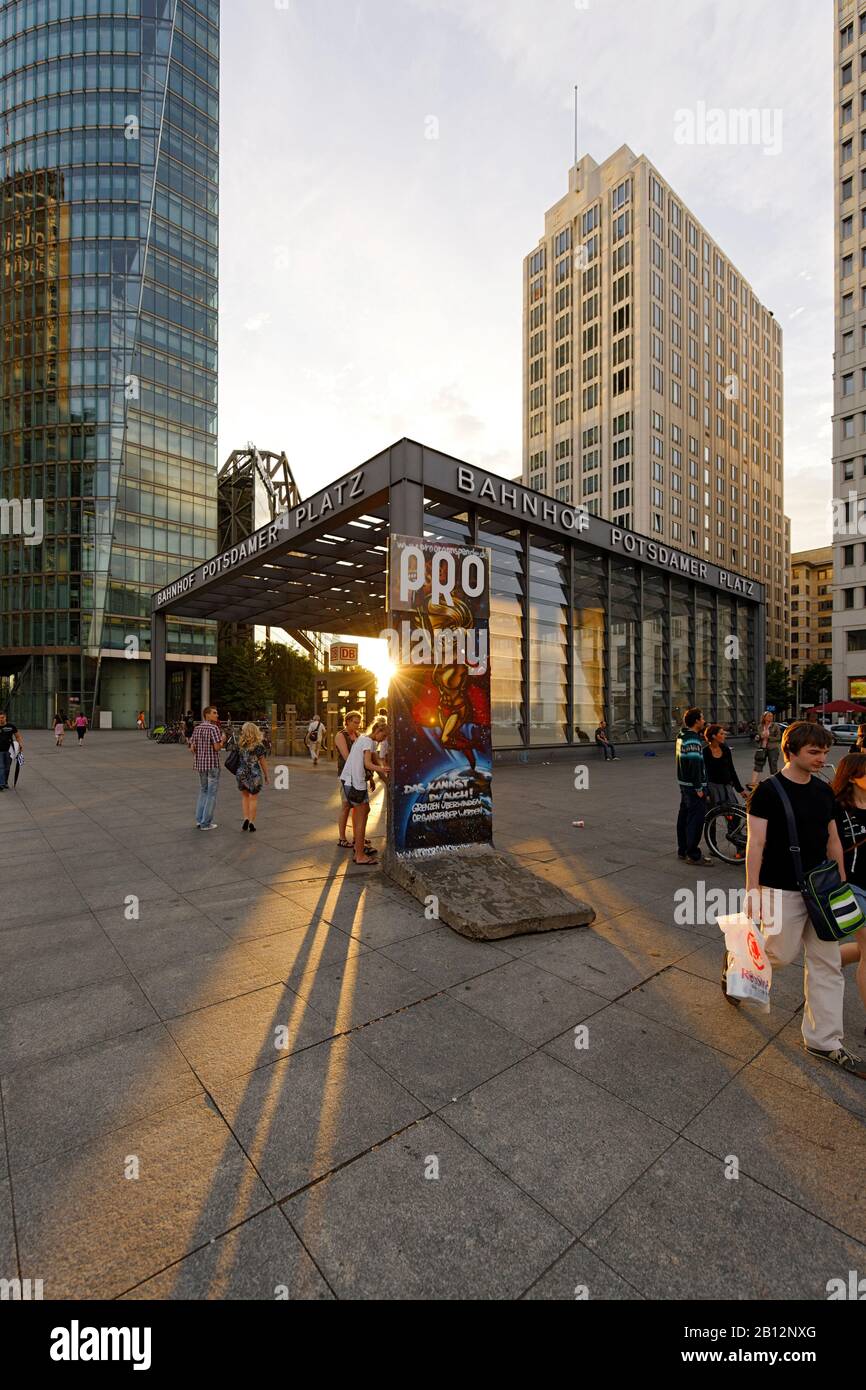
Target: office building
653, 377
849, 374
108, 345
811, 608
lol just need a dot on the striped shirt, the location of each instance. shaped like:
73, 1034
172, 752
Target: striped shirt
204, 741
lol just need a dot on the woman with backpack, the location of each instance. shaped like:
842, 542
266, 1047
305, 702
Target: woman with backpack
252, 771
315, 738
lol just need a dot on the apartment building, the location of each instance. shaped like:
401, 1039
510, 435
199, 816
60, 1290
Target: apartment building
653, 377
811, 608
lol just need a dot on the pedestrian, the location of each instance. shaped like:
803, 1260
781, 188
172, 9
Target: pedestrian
343, 744
861, 737
252, 771
363, 758
692, 778
723, 784
140, 721
769, 741
206, 741
604, 743
773, 896
59, 728
9, 734
849, 789
315, 738
80, 727
188, 724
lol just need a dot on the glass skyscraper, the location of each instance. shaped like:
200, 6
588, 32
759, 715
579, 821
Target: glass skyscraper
108, 344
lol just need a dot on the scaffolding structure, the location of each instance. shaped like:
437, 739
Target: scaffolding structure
254, 486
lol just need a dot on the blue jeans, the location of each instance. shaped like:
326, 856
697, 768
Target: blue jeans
5, 764
210, 783
690, 823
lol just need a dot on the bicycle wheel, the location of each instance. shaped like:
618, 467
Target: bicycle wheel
725, 833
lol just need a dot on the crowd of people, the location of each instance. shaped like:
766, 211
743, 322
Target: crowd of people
805, 839
360, 758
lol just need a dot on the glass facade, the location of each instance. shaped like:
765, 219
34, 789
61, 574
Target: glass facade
108, 339
590, 635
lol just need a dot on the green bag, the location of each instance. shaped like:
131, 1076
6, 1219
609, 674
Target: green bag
834, 908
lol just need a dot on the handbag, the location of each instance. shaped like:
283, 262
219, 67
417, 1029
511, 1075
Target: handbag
354, 795
233, 757
834, 909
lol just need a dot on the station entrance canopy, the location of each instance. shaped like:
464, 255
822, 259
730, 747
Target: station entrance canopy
321, 566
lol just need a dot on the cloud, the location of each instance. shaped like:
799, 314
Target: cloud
257, 322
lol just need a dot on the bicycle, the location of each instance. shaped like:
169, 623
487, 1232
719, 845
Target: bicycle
725, 832
726, 828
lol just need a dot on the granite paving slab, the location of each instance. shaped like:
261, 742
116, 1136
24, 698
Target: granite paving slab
91, 1231
66, 1101
438, 1049
685, 1231
262, 1259
572, 1146
312, 1112
381, 1228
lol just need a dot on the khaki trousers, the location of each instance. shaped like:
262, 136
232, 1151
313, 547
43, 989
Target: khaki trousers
788, 927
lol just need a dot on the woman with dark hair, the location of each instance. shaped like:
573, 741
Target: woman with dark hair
723, 784
849, 788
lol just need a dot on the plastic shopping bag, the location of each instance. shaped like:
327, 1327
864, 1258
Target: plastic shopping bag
750, 973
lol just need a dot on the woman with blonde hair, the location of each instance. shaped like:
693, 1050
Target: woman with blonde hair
252, 771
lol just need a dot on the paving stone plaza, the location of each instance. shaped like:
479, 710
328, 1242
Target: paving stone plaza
242, 1068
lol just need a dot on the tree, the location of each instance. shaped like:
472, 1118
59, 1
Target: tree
814, 679
779, 692
241, 683
292, 676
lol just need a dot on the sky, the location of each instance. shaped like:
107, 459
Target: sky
386, 165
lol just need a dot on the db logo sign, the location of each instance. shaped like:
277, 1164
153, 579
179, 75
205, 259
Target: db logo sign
755, 951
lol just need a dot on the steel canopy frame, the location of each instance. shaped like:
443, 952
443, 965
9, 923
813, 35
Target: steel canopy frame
321, 565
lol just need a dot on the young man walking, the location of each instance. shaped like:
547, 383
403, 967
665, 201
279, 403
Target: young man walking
692, 778
772, 895
206, 741
8, 735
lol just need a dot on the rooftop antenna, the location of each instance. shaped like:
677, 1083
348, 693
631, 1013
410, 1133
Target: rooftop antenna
576, 123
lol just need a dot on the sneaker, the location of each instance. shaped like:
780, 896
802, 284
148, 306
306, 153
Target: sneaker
841, 1057
682, 856
213, 826
731, 1000
702, 859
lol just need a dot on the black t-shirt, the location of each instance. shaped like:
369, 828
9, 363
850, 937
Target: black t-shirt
7, 733
851, 824
814, 806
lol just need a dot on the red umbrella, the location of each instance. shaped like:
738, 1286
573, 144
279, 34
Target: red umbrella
839, 707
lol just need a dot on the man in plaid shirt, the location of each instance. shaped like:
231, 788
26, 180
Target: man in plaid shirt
206, 741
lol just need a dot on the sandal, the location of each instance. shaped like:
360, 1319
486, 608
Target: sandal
344, 844
369, 863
